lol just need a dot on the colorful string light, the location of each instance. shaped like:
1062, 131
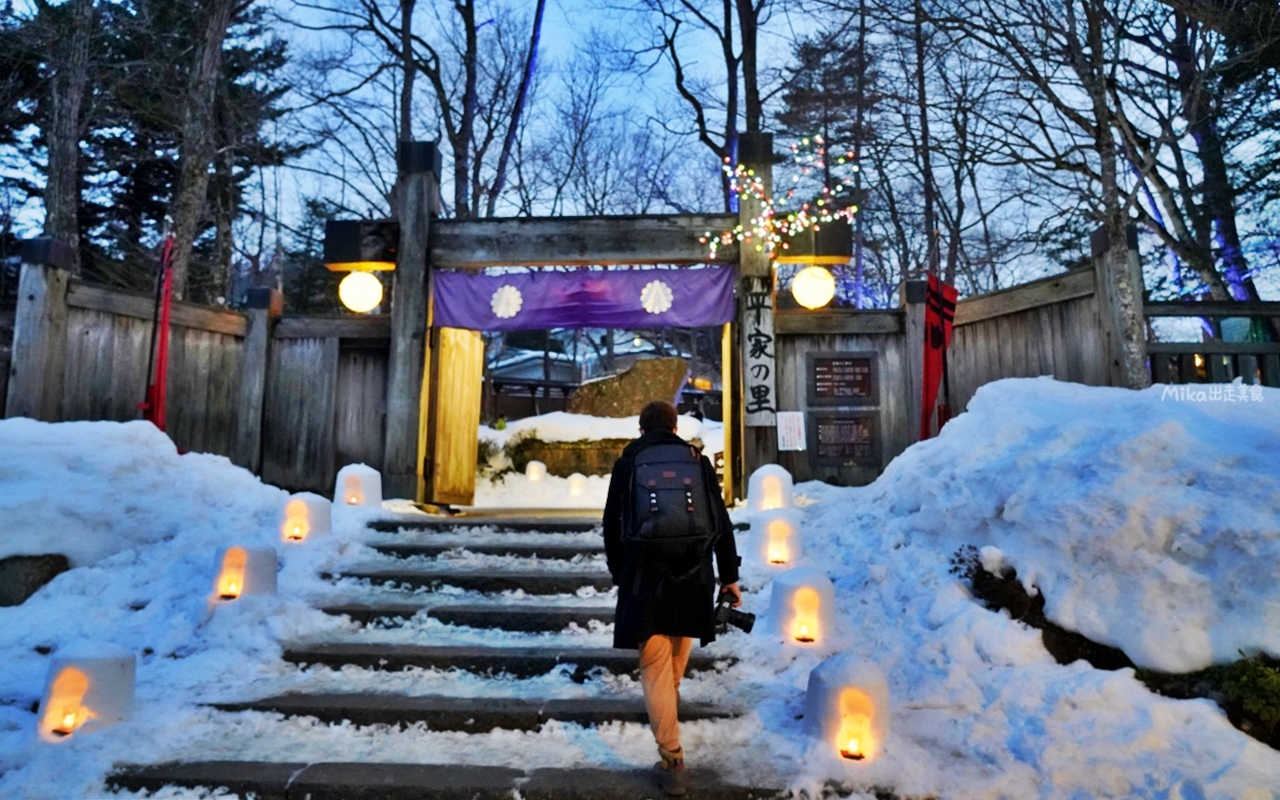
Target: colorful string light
779, 220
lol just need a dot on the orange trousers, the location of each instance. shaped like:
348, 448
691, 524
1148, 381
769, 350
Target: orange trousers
662, 663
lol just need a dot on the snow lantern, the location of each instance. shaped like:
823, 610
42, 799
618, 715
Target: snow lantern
577, 484
244, 571
769, 488
535, 471
90, 686
802, 606
358, 485
304, 515
847, 706
776, 536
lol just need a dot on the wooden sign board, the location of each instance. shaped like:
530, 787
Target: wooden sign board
844, 439
848, 379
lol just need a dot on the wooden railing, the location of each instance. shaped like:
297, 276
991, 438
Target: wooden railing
1214, 361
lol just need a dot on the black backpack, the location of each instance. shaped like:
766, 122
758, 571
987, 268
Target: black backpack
672, 523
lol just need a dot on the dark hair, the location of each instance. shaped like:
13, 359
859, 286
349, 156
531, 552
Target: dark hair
659, 416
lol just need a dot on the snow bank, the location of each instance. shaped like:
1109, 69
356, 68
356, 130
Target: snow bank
561, 426
88, 490
1149, 524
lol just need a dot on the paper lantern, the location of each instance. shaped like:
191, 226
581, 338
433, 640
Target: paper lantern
847, 707
813, 287
802, 606
535, 471
305, 515
577, 484
360, 292
90, 686
769, 488
358, 485
243, 571
776, 536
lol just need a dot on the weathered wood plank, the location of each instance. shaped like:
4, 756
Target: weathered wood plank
796, 323
1271, 370
224, 385
39, 343
1248, 365
1046, 291
141, 306
297, 446
474, 244
1219, 348
361, 405
372, 327
1160, 372
129, 358
460, 364
1212, 309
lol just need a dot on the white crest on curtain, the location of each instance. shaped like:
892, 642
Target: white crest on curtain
656, 297
506, 301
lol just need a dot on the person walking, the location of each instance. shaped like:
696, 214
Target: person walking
663, 521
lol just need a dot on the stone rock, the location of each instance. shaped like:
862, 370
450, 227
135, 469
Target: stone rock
22, 576
624, 395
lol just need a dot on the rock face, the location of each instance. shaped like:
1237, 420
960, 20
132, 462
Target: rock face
624, 395
22, 576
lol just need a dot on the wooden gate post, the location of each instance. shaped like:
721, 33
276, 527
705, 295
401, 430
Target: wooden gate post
1120, 294
912, 295
417, 196
263, 306
40, 331
757, 345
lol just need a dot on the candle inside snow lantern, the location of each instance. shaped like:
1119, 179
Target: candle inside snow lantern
305, 514
358, 485
769, 487
89, 685
802, 605
776, 536
577, 484
244, 571
535, 471
847, 707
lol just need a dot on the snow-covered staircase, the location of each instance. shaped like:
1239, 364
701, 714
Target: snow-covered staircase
507, 602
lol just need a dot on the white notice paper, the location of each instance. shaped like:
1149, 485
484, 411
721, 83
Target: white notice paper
791, 430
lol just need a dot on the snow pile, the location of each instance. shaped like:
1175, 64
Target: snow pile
561, 426
88, 490
1149, 524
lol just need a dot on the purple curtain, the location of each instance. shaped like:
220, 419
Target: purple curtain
647, 298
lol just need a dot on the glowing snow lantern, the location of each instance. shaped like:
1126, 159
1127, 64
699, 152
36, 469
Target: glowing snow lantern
535, 471
305, 514
244, 571
577, 484
847, 706
776, 536
802, 605
769, 488
358, 485
90, 685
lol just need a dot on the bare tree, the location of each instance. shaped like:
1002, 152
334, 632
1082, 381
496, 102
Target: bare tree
70, 82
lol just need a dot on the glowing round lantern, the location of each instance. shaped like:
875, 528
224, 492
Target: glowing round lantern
776, 536
769, 487
847, 706
360, 292
305, 515
243, 571
577, 484
535, 471
358, 485
90, 685
813, 287
802, 606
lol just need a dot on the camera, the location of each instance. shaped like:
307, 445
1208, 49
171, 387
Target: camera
726, 614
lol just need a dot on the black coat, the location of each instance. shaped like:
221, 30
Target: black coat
682, 609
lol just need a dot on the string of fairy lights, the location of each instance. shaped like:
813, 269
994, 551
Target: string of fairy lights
779, 219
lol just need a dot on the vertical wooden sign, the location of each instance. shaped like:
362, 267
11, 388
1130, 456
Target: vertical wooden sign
760, 363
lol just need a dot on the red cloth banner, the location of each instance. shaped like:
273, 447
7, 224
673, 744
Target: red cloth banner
939, 313
154, 408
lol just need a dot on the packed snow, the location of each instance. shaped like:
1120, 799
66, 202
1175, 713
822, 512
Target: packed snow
1149, 524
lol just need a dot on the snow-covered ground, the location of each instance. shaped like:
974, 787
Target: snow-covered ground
1150, 524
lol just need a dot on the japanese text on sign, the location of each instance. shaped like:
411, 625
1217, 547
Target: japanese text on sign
760, 357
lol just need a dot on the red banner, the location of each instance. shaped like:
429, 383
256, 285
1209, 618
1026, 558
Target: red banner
154, 408
939, 312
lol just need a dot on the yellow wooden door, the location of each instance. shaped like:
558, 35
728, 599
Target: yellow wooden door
453, 419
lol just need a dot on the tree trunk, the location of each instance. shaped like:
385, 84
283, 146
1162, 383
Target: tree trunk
508, 143
406, 56
461, 141
187, 207
932, 255
71, 77
749, 28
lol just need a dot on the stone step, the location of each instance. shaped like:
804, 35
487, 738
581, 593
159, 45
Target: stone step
469, 714
520, 662
559, 552
485, 581
524, 619
348, 781
570, 523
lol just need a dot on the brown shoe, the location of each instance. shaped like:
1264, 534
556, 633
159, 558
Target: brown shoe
670, 772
